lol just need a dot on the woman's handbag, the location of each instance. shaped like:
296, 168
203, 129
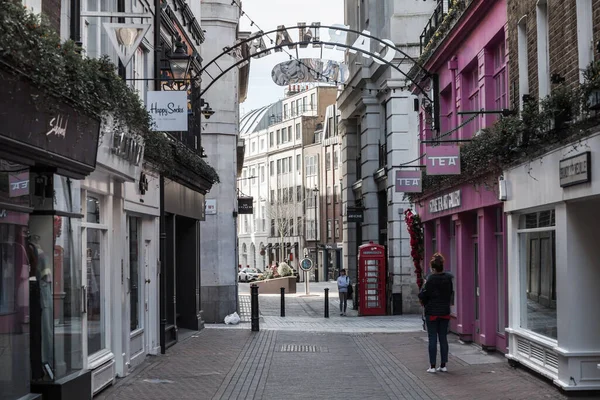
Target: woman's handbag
350, 289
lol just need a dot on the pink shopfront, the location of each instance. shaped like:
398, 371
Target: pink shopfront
466, 222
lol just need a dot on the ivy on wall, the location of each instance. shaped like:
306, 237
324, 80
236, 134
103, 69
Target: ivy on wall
30, 45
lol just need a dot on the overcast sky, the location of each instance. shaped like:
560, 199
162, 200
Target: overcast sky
268, 14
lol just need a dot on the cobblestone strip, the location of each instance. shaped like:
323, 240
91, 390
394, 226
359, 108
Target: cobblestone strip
246, 380
396, 379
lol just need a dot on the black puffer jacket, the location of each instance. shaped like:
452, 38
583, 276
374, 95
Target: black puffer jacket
437, 294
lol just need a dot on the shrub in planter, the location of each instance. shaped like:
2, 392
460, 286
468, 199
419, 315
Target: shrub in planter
284, 270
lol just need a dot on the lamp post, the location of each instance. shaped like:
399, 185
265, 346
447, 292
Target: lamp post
316, 193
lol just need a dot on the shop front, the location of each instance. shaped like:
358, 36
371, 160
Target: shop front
46, 146
553, 206
466, 224
142, 207
107, 254
184, 209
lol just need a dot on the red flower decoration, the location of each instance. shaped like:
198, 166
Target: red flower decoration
415, 230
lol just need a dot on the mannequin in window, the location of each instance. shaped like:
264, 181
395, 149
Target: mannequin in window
41, 271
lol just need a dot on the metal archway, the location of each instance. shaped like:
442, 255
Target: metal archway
376, 56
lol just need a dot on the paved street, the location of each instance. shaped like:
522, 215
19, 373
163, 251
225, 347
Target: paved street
307, 356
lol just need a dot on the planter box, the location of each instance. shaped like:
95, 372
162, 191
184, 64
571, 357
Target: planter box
273, 286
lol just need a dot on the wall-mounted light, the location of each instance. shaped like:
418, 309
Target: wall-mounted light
502, 196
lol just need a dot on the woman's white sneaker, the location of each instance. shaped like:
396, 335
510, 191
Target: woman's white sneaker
442, 369
431, 370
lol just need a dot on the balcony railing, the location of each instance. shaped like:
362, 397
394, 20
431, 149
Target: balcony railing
295, 112
435, 21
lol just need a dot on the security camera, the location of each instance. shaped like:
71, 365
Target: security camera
207, 112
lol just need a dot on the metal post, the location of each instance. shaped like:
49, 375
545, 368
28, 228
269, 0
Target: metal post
162, 219
316, 239
283, 302
254, 307
326, 302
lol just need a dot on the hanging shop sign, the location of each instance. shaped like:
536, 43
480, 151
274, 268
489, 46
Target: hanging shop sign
355, 214
443, 160
168, 110
409, 181
125, 38
445, 202
309, 70
245, 205
575, 170
143, 183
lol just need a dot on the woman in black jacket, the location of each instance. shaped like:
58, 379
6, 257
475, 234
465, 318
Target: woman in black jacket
436, 296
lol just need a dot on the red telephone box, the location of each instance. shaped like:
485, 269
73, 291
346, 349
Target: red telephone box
371, 278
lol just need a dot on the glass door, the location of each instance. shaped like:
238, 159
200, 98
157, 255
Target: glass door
372, 286
96, 281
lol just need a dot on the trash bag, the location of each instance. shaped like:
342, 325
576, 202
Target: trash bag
232, 319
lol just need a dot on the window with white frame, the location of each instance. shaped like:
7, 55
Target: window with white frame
139, 64
329, 229
298, 131
285, 111
262, 174
500, 282
543, 48
474, 105
96, 273
298, 162
537, 253
313, 103
272, 168
500, 96
289, 133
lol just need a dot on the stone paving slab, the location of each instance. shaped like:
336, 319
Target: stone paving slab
235, 364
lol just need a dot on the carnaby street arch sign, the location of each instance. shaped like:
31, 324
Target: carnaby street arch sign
336, 39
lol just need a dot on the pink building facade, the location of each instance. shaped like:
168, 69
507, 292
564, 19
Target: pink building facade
466, 223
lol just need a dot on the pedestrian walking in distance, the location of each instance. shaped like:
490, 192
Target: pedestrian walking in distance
343, 282
437, 296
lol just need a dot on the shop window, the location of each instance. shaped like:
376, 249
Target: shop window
537, 250
14, 303
96, 276
453, 262
54, 253
433, 229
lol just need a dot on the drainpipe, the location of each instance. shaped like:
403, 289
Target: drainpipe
162, 222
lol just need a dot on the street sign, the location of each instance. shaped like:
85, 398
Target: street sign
306, 264
355, 214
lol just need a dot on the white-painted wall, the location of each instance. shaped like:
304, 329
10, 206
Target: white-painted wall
536, 185
218, 253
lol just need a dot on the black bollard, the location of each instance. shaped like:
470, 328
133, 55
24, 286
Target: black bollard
326, 303
283, 302
254, 307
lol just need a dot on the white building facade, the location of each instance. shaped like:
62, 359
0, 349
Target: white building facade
281, 205
220, 139
379, 132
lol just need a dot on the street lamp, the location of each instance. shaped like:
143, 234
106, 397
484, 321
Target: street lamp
316, 193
